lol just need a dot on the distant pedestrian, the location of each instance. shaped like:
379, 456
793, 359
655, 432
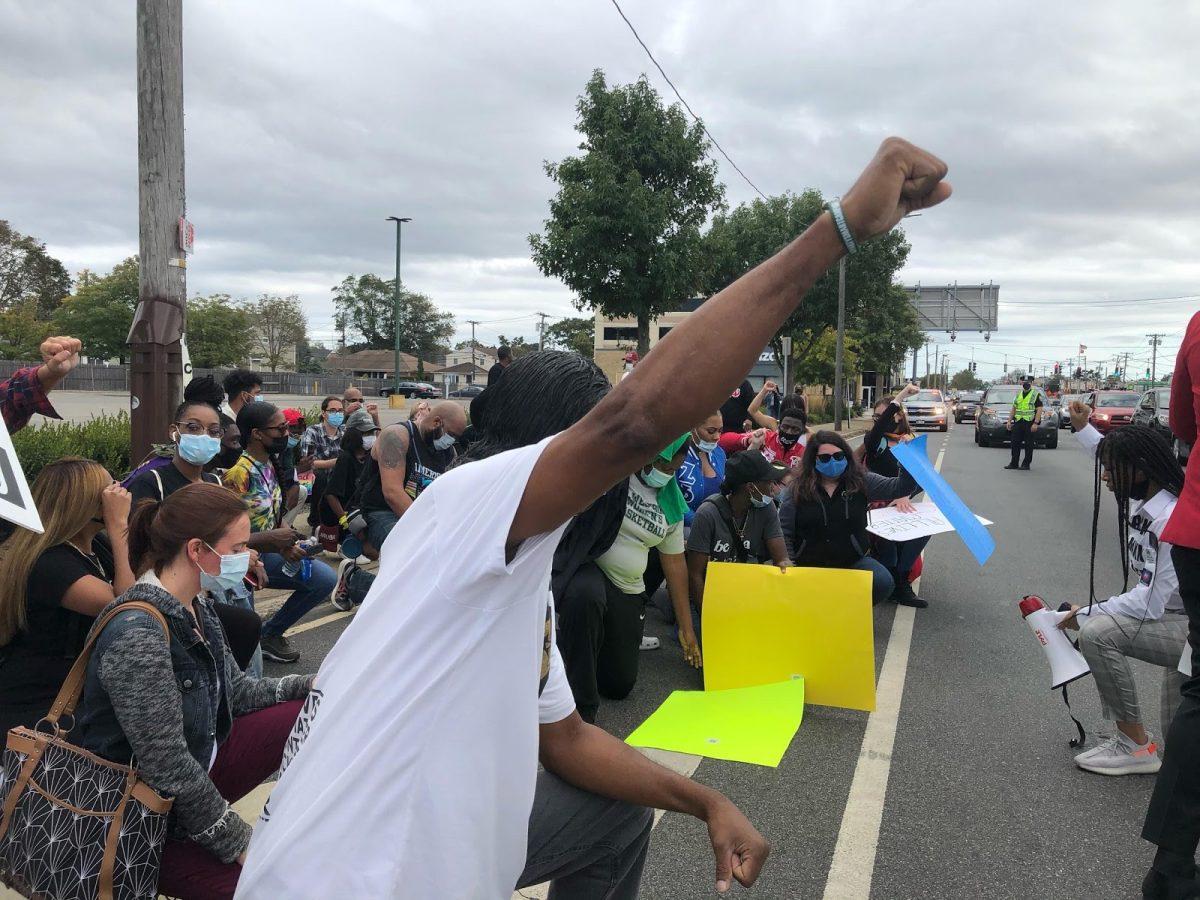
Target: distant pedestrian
1023, 422
503, 361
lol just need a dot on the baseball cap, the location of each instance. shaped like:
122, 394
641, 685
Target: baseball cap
750, 466
293, 417
361, 420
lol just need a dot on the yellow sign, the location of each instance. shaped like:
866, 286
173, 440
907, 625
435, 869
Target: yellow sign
762, 626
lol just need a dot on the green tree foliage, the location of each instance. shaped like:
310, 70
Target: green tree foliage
966, 380
220, 332
818, 365
624, 227
279, 326
753, 232
518, 345
31, 280
365, 309
100, 311
576, 334
21, 331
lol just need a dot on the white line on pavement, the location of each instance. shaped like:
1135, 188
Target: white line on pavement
853, 863
317, 623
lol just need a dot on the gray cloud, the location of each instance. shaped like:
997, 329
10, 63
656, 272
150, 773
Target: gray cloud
1070, 131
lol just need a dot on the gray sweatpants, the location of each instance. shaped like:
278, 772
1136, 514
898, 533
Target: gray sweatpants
587, 846
1109, 642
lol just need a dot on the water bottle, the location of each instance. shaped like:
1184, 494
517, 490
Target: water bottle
302, 567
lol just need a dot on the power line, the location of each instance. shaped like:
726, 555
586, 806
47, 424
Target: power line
703, 127
1109, 302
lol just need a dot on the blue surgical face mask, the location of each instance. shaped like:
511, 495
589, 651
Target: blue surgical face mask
656, 478
335, 419
445, 442
832, 469
707, 446
198, 449
759, 499
292, 441
234, 567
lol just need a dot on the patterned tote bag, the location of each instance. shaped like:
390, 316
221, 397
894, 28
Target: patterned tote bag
76, 826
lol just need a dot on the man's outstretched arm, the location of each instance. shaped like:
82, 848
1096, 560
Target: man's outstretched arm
593, 760
728, 334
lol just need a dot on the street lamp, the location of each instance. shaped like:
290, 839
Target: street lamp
396, 304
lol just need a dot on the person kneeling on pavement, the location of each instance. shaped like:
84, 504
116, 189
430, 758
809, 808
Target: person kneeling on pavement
739, 524
201, 731
824, 510
1146, 622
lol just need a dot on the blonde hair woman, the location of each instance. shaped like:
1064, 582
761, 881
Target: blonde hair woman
53, 584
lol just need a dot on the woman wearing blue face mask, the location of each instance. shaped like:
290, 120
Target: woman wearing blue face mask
703, 468
824, 512
201, 730
322, 442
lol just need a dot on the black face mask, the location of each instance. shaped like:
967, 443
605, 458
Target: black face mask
277, 446
788, 440
227, 457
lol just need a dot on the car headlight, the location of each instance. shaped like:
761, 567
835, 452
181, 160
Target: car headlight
1103, 417
939, 410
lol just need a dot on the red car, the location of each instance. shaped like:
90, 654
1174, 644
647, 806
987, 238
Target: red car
1112, 409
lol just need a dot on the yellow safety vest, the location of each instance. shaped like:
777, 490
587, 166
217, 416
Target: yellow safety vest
1024, 405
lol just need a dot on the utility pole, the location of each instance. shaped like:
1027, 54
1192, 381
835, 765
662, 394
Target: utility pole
915, 349
155, 338
1155, 340
396, 311
474, 350
542, 332
838, 356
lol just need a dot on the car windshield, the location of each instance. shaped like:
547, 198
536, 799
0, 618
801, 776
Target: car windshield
1110, 400
972, 396
927, 397
1164, 398
1002, 395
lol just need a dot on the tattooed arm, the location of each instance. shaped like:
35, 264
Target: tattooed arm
389, 453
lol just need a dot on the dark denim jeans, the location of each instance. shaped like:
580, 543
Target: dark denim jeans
305, 596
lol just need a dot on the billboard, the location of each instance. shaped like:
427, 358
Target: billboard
955, 307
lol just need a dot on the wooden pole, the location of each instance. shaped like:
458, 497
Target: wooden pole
156, 371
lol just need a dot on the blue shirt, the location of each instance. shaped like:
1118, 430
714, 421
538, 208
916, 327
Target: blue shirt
692, 482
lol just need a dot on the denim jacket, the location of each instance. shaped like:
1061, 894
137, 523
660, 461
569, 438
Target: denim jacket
169, 707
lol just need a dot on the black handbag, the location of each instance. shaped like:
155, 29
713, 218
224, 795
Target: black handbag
76, 826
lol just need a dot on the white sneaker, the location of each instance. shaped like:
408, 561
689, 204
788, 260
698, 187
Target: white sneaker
651, 643
1120, 756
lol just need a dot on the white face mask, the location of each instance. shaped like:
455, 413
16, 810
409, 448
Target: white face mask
445, 442
368, 441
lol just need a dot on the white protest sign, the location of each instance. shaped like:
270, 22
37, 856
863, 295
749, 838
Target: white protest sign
894, 525
16, 503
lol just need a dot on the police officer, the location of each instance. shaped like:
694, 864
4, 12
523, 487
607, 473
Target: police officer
1023, 422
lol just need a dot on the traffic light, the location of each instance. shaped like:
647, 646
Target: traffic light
1078, 372
1147, 373
1057, 369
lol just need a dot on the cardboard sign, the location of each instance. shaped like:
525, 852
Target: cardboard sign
763, 626
915, 459
894, 525
751, 725
16, 503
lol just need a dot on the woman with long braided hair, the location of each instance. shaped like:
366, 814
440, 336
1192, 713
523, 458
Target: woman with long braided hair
1147, 621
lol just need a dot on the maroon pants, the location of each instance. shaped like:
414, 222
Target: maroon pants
248, 757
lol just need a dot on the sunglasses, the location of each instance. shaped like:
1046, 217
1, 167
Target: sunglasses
826, 457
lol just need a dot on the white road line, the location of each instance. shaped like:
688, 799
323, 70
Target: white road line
853, 864
317, 623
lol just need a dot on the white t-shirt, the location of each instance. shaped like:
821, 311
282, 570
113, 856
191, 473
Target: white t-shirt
643, 527
411, 770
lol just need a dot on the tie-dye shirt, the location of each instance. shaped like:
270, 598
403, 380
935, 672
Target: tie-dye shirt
258, 485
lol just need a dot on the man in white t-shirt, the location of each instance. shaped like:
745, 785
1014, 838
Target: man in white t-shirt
413, 770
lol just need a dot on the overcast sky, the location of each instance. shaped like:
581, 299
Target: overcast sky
1072, 132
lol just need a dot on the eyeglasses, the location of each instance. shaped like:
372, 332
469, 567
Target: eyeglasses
276, 428
196, 428
826, 457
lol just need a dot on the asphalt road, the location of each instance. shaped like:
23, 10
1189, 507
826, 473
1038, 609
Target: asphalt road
982, 798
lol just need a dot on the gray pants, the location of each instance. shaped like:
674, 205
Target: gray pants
588, 847
1108, 643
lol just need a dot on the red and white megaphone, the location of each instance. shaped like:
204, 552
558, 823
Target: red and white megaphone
1066, 663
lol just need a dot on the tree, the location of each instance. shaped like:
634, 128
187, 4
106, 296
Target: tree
219, 332
624, 227
365, 306
886, 331
965, 380
310, 357
518, 345
576, 334
21, 332
753, 232
29, 275
280, 325
819, 364
1054, 385
100, 311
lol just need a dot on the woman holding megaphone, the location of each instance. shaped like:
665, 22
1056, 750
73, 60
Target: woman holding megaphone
1147, 621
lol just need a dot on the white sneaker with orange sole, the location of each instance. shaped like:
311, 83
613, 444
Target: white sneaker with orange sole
1120, 756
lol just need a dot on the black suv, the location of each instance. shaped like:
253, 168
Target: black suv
968, 402
420, 389
991, 423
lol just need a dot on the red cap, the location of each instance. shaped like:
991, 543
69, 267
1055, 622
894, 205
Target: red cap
1031, 604
293, 417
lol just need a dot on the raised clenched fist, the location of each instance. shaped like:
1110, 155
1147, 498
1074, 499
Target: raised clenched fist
902, 178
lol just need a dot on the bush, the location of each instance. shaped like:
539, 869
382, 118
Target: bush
104, 438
